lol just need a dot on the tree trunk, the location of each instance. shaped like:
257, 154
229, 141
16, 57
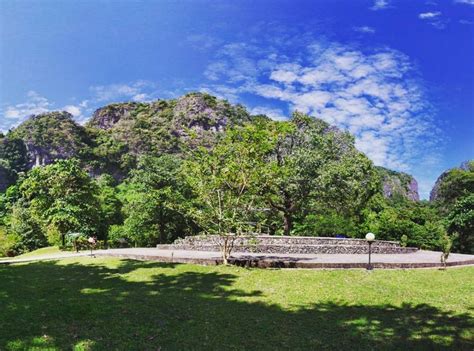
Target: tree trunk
287, 223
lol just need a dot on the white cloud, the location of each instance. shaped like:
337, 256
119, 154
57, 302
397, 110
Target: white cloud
283, 76
12, 115
365, 29
434, 18
428, 15
274, 113
380, 5
374, 94
73, 110
467, 2
136, 91
15, 114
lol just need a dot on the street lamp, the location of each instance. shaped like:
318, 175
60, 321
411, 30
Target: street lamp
370, 237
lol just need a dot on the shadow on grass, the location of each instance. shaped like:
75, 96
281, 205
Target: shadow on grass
93, 307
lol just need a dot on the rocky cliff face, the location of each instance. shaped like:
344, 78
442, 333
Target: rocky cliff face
165, 125
106, 117
434, 194
398, 184
125, 131
50, 136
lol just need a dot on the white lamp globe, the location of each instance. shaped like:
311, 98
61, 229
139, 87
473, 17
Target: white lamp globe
370, 237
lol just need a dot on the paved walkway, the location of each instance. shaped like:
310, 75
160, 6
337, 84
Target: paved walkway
419, 259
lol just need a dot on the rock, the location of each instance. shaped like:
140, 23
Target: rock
398, 184
106, 117
465, 166
50, 136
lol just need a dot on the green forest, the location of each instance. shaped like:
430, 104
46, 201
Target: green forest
141, 174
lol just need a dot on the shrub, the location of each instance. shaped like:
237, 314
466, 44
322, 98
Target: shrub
117, 237
26, 230
325, 225
8, 243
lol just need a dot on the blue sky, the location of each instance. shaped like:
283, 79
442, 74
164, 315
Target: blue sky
398, 74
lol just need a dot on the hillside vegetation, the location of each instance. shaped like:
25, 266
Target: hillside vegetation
148, 173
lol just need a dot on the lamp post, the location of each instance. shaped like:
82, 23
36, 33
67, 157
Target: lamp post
92, 241
370, 237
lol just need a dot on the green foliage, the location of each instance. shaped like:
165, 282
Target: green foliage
13, 151
456, 184
26, 230
314, 168
52, 135
125, 132
8, 243
198, 163
461, 224
110, 204
415, 224
154, 200
64, 198
330, 224
226, 179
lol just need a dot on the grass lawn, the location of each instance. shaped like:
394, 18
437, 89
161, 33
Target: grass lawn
112, 304
50, 250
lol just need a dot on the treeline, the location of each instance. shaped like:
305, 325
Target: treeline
299, 177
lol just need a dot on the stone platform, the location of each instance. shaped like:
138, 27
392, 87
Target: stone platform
417, 259
290, 245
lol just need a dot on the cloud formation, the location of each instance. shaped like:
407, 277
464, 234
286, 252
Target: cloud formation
380, 5
274, 113
15, 114
434, 18
377, 95
137, 91
365, 29
427, 15
467, 2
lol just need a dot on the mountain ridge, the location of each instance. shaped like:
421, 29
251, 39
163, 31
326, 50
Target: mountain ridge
117, 134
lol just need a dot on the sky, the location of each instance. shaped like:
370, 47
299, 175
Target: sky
399, 75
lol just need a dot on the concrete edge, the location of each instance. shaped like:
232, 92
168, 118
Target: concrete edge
275, 263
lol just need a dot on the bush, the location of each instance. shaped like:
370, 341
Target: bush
8, 243
26, 230
117, 237
325, 225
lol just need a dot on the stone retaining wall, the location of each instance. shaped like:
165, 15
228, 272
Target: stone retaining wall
290, 245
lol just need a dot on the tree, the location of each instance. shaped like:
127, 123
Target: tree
414, 223
13, 150
456, 184
461, 224
155, 198
64, 198
25, 229
110, 204
313, 167
225, 181
13, 161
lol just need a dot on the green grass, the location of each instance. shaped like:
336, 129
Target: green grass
112, 304
50, 250
45, 251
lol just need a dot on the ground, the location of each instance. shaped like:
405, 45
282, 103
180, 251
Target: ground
111, 304
50, 250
